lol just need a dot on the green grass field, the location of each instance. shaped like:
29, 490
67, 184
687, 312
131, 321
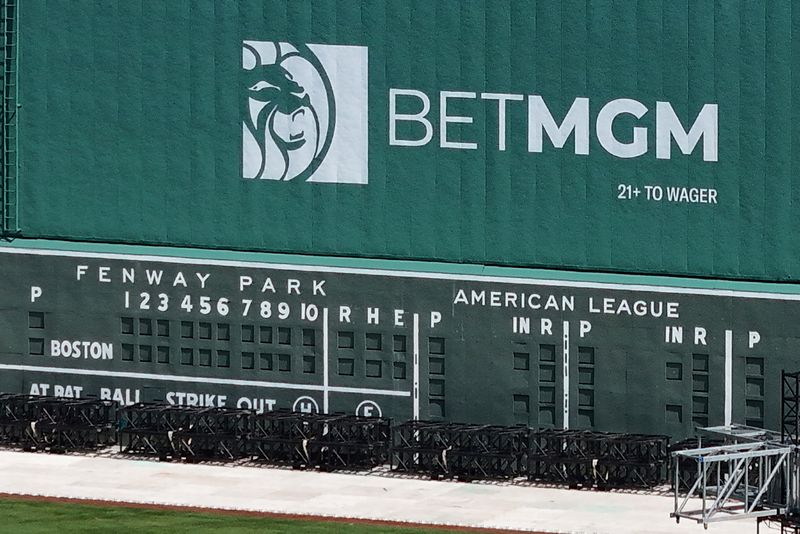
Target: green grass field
33, 517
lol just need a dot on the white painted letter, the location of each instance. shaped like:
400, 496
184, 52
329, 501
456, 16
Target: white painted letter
547, 326
585, 328
605, 130
669, 127
293, 285
501, 98
444, 120
244, 281
417, 117
373, 315
699, 335
754, 338
540, 118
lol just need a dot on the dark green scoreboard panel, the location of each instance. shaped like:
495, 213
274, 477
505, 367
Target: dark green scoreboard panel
403, 344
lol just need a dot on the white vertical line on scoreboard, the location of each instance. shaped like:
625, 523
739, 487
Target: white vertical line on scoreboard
566, 375
325, 384
415, 392
728, 376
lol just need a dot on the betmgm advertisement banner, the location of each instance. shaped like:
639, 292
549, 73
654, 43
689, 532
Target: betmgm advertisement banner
557, 135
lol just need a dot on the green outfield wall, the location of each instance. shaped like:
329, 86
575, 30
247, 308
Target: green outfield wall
647, 137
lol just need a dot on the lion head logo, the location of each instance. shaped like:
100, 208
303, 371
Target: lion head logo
289, 111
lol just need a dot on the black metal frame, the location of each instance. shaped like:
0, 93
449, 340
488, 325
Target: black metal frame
317, 441
182, 432
605, 460
788, 524
337, 441
790, 407
56, 424
303, 441
461, 451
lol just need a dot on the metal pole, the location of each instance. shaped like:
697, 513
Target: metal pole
795, 391
783, 405
746, 481
704, 492
677, 487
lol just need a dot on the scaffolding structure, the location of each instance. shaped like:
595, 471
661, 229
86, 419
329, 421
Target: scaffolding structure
790, 407
737, 481
749, 472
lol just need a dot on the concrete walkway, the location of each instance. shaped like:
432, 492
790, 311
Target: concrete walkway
362, 496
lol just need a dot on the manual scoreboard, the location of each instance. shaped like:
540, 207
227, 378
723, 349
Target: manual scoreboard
401, 344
